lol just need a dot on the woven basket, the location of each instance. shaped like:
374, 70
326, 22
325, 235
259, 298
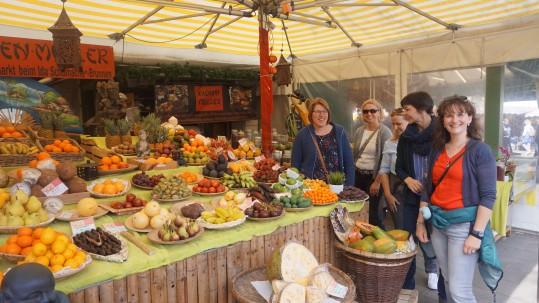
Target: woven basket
244, 292
17, 159
63, 156
378, 277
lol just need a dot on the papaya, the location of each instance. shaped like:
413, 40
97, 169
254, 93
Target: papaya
365, 228
379, 233
385, 246
369, 239
362, 245
399, 234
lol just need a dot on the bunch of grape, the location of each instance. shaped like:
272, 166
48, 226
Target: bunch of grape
142, 179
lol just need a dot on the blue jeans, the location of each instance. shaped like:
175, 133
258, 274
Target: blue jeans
457, 267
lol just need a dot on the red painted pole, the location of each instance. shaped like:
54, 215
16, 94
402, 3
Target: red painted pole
266, 92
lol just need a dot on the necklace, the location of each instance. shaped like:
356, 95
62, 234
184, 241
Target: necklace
451, 151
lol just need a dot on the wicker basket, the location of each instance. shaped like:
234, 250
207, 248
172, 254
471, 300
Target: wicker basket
244, 292
63, 156
378, 277
17, 159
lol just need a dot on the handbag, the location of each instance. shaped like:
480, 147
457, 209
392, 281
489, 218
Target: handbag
320, 155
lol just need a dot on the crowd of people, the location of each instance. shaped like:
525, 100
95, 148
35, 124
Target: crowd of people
431, 171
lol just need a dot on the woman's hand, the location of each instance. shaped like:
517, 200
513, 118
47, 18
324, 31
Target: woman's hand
414, 185
392, 202
375, 188
421, 233
471, 245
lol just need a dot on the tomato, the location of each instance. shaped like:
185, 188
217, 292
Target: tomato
220, 188
201, 182
204, 190
212, 190
215, 183
196, 188
207, 184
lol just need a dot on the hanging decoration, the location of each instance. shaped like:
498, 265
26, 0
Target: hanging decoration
284, 75
66, 42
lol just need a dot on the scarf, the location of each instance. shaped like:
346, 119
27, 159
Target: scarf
421, 140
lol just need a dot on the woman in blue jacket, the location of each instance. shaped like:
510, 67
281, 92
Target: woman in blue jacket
332, 141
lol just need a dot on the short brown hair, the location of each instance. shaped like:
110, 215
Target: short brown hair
321, 102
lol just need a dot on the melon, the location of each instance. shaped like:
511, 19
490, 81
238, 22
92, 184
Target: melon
292, 293
292, 263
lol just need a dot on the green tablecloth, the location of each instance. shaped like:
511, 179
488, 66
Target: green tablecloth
138, 261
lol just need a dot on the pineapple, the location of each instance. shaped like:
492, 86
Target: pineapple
58, 125
111, 138
46, 130
136, 121
124, 128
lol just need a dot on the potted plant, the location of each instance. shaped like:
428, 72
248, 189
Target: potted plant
336, 181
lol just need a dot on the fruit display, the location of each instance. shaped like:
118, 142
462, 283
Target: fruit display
239, 180
53, 250
112, 163
98, 241
61, 146
222, 215
46, 171
206, 186
87, 207
151, 216
291, 263
264, 210
352, 193
232, 198
179, 228
315, 183
10, 132
294, 201
164, 151
131, 200
379, 241
216, 168
321, 196
171, 188
189, 177
262, 193
20, 209
265, 172
124, 149
195, 158
18, 148
109, 187
144, 180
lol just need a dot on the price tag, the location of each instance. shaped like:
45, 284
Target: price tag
242, 141
337, 290
247, 203
55, 188
279, 195
276, 166
260, 158
114, 227
83, 225
252, 146
218, 150
67, 215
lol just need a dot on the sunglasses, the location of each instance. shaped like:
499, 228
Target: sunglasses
372, 111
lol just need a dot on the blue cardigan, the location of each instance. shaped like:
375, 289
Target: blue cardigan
479, 176
304, 153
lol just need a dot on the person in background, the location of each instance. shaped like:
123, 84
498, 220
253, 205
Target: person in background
332, 141
411, 167
369, 142
506, 135
528, 136
460, 192
391, 184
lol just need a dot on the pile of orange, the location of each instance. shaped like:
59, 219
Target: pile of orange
61, 146
321, 195
160, 160
10, 131
49, 248
196, 144
40, 156
112, 163
109, 187
19, 244
189, 177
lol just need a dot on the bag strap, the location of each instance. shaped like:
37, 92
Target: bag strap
368, 140
319, 154
456, 159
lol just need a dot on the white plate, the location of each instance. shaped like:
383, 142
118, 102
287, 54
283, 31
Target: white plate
73, 214
225, 225
129, 224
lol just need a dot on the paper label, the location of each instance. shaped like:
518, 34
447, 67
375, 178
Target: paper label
252, 146
242, 142
114, 227
83, 225
279, 195
337, 290
263, 288
218, 150
67, 215
55, 188
260, 158
247, 203
276, 166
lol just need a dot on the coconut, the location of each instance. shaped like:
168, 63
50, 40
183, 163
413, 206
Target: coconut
47, 176
36, 191
76, 185
292, 263
66, 170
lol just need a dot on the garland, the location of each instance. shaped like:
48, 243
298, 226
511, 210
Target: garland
174, 73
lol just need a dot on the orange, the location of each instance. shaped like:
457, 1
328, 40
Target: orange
119, 186
43, 155
17, 135
55, 162
57, 142
48, 147
10, 129
74, 149
98, 188
56, 268
37, 232
13, 249
57, 260
73, 263
62, 237
56, 149
108, 181
115, 159
24, 241
42, 260
33, 163
49, 254
2, 130
66, 141
48, 236
62, 146
3, 248
25, 251
123, 165
105, 161
19, 173
110, 189
67, 148
25, 231
113, 166
103, 167
12, 239
58, 247
69, 253
80, 256
6, 135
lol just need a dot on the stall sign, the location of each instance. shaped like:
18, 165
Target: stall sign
209, 98
20, 57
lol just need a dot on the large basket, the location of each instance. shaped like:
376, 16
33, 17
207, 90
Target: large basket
378, 277
244, 292
63, 156
16, 159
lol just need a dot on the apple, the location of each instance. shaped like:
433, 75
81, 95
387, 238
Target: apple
130, 197
137, 202
116, 205
128, 205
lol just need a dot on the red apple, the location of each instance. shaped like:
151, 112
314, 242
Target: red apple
137, 202
128, 205
130, 197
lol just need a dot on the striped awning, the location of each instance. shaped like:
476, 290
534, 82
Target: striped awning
231, 26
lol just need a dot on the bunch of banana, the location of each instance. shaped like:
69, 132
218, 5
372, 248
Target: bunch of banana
18, 148
221, 215
243, 179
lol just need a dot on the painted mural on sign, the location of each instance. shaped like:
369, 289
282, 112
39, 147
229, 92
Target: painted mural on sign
34, 97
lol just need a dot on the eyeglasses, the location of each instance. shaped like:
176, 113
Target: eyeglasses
456, 98
320, 112
398, 110
372, 111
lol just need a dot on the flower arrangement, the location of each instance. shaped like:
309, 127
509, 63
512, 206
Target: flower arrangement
503, 155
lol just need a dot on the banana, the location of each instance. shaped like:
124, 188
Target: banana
4, 150
221, 212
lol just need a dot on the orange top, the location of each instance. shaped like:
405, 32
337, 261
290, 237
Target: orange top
448, 194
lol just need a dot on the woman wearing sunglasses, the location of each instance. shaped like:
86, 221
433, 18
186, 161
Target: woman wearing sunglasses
369, 142
314, 153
